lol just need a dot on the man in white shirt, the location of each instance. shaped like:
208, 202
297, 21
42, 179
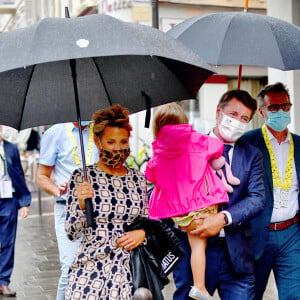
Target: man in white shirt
276, 229
229, 252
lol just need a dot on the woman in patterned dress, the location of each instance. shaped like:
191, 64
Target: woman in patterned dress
101, 266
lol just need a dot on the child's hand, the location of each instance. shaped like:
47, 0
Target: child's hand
62, 189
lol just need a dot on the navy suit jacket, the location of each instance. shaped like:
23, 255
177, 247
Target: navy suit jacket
261, 223
15, 171
245, 203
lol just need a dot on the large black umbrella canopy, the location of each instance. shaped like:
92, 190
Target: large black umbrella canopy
115, 62
62, 70
242, 38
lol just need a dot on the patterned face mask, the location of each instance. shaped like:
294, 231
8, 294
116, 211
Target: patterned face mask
114, 158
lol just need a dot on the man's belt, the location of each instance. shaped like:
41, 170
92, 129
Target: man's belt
63, 202
284, 224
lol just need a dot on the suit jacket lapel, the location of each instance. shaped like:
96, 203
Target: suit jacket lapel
266, 160
237, 159
8, 161
297, 157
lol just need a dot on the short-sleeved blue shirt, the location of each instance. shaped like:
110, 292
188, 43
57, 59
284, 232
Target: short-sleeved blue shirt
57, 151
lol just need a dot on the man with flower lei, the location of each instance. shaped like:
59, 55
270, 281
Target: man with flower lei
276, 229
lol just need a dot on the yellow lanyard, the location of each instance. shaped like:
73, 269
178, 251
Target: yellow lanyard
277, 182
73, 140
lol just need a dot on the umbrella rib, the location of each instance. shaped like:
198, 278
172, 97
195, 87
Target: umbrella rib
226, 31
103, 82
25, 96
278, 46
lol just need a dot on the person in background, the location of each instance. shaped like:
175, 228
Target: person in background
101, 268
185, 182
60, 155
276, 230
230, 250
14, 195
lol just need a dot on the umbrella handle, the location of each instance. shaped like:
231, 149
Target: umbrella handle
89, 212
148, 109
67, 15
88, 202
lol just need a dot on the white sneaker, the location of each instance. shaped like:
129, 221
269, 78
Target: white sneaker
197, 294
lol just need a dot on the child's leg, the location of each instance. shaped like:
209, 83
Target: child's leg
198, 261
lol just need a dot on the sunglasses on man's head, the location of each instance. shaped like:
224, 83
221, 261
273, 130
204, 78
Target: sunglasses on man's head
276, 107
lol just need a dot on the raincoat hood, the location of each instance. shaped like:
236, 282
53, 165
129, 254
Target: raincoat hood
171, 140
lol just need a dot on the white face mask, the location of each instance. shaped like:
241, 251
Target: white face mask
231, 129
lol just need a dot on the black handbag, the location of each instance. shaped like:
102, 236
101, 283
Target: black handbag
144, 267
152, 261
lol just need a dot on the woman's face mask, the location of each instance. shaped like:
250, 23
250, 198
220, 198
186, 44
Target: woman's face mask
231, 129
114, 158
114, 147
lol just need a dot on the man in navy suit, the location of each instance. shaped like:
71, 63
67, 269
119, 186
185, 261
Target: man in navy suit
13, 195
230, 252
276, 229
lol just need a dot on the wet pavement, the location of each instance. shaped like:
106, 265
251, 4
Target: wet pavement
36, 270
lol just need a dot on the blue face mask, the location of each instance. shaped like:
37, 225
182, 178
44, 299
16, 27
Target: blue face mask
279, 120
85, 123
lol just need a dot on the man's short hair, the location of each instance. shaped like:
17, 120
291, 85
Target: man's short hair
277, 87
240, 95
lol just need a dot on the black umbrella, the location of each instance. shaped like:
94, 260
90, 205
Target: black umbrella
93, 61
242, 38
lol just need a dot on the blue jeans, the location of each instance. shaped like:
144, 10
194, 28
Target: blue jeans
282, 255
66, 248
219, 275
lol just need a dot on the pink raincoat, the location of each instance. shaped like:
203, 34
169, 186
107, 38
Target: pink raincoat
184, 180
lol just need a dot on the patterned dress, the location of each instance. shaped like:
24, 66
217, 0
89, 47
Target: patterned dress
101, 269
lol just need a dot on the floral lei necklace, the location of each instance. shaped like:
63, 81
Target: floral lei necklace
287, 182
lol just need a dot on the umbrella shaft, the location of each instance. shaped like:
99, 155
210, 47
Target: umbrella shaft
74, 77
155, 13
88, 202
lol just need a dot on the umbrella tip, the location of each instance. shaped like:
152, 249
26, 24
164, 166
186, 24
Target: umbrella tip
67, 15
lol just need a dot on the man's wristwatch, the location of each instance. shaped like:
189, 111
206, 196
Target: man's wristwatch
225, 219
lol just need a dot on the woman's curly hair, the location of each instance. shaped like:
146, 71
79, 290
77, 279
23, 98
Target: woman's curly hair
115, 116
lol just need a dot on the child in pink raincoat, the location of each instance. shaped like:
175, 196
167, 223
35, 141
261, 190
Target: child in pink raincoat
185, 182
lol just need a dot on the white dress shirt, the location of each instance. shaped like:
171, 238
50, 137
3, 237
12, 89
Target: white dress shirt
281, 152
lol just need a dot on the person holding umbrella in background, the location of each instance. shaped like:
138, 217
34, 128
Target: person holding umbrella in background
14, 194
276, 230
60, 155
